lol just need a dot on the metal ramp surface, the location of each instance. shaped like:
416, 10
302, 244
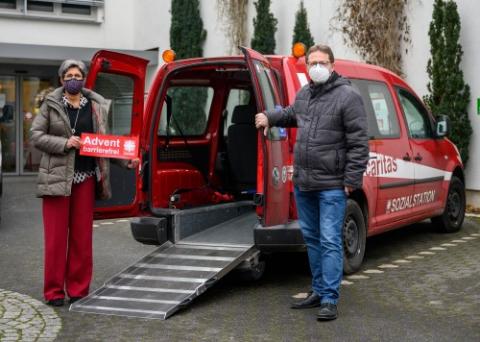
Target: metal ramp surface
170, 277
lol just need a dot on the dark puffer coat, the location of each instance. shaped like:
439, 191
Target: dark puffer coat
331, 149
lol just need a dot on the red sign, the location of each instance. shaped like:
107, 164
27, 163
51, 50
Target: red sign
109, 146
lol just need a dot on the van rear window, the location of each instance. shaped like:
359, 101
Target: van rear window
190, 111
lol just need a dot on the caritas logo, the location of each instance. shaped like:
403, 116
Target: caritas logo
380, 165
109, 146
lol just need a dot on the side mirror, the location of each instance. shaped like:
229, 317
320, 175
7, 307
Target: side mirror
442, 126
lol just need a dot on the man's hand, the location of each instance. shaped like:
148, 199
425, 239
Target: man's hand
261, 120
74, 142
133, 163
348, 190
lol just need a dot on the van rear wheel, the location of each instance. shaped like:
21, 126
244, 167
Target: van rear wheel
452, 218
354, 238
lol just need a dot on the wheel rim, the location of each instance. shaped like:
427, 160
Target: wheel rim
350, 237
454, 206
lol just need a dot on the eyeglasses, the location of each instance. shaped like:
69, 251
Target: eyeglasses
68, 77
322, 63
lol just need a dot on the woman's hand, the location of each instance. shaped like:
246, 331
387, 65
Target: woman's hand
74, 142
133, 163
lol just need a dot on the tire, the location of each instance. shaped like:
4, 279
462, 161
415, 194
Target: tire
454, 213
252, 274
354, 238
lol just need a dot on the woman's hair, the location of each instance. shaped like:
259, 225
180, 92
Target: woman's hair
71, 63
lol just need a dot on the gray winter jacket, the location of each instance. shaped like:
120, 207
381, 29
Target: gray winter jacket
331, 150
50, 132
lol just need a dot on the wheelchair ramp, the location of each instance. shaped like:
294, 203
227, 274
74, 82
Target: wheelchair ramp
169, 278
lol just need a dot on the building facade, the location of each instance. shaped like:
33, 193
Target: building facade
37, 35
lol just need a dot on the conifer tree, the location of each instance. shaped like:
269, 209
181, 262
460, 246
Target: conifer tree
186, 39
186, 30
448, 92
264, 28
301, 31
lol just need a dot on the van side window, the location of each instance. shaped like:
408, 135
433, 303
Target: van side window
236, 97
416, 116
381, 116
190, 111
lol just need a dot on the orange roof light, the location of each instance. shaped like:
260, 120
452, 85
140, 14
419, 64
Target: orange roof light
299, 50
168, 56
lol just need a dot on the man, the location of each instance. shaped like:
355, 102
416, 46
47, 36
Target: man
331, 154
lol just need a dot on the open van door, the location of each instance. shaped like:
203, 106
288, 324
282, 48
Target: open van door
273, 189
120, 79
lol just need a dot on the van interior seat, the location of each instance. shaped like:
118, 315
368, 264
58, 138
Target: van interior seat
242, 147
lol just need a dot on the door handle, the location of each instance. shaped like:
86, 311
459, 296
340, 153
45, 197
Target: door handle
407, 157
418, 157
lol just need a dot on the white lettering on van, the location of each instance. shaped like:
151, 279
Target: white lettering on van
381, 165
409, 202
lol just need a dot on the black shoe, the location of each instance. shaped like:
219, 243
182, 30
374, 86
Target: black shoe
74, 299
312, 301
56, 302
327, 312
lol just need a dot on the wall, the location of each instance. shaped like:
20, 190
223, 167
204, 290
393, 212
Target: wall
142, 25
58, 33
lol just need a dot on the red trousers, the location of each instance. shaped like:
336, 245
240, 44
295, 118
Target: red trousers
68, 241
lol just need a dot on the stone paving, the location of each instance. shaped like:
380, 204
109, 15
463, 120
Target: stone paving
23, 318
415, 285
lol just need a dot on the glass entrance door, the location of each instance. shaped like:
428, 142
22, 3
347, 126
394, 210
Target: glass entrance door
33, 90
8, 114
19, 104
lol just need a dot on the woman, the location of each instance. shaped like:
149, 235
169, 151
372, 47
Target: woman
68, 182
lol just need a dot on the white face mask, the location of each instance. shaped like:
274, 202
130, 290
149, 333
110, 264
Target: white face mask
319, 74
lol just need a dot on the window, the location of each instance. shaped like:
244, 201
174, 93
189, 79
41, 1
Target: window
270, 98
381, 116
190, 111
40, 6
77, 9
10, 4
236, 97
265, 78
119, 90
70, 10
418, 121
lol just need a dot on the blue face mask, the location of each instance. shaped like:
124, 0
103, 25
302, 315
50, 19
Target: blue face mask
73, 86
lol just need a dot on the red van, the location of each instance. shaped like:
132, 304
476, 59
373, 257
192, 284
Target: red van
215, 193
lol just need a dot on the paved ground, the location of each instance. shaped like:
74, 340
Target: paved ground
416, 285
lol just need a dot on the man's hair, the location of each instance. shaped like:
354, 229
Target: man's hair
322, 48
71, 63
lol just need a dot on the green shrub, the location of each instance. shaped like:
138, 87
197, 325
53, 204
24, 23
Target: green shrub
448, 92
301, 31
264, 28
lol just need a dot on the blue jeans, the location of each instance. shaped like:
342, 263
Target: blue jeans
321, 215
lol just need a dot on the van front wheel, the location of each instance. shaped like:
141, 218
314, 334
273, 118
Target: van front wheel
354, 238
452, 218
